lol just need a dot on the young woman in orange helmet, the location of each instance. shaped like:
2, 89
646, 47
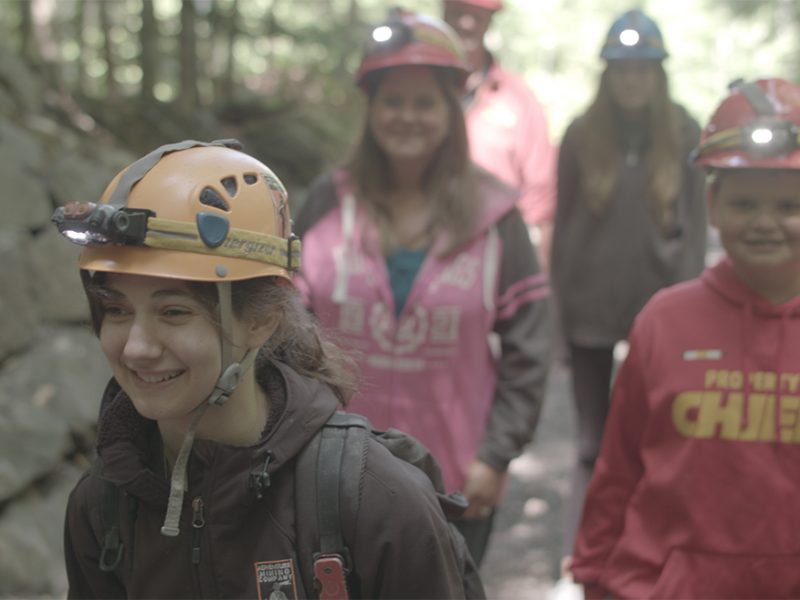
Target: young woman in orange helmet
221, 378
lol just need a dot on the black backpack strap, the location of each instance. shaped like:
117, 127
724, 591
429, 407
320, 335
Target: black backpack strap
112, 549
110, 535
334, 460
305, 485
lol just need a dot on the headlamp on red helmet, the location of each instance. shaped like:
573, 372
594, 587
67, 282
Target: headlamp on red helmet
760, 139
764, 139
408, 38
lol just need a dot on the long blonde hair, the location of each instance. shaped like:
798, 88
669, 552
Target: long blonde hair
664, 155
450, 180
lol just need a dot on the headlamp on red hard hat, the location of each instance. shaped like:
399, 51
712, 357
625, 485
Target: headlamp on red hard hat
391, 35
750, 130
407, 39
761, 139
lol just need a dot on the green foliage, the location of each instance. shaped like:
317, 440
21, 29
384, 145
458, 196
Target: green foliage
296, 58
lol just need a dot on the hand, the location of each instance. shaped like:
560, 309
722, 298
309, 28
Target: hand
483, 489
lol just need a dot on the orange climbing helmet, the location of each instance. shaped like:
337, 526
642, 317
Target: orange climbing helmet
408, 38
192, 210
757, 126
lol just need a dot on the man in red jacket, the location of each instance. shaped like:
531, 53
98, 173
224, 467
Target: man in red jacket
696, 490
507, 126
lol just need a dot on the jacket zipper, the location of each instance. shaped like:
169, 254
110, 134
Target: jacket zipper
198, 522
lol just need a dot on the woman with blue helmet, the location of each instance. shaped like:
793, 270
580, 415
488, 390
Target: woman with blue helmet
630, 219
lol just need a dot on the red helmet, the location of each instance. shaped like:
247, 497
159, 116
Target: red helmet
493, 5
755, 127
408, 38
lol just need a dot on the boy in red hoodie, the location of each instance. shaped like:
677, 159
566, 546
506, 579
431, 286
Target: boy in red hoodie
696, 493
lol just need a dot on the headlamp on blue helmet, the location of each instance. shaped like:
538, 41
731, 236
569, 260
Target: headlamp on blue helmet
634, 36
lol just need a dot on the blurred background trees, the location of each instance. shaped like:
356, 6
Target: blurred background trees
278, 73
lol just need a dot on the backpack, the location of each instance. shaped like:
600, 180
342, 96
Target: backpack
337, 454
328, 477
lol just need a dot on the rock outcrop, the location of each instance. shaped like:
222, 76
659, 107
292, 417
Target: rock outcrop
51, 369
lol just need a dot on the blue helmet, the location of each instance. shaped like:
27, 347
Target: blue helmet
634, 35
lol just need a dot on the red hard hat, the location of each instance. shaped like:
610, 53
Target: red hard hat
493, 5
408, 38
755, 127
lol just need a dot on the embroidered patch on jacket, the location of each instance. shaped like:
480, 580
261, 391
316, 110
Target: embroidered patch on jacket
710, 354
276, 580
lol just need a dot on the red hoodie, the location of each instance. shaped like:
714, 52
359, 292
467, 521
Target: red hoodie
696, 493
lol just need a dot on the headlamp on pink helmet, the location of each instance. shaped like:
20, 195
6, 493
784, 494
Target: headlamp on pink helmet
412, 39
757, 126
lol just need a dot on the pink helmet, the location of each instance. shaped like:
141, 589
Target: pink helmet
755, 127
493, 5
408, 38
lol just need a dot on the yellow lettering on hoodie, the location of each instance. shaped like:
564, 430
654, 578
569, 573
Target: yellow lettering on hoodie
723, 379
703, 415
790, 382
767, 433
684, 404
788, 417
764, 381
756, 408
713, 413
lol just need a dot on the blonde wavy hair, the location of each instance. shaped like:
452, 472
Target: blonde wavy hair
664, 155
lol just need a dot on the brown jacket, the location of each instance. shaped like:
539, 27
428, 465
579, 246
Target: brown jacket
245, 547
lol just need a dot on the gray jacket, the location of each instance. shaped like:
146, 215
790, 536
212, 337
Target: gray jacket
606, 267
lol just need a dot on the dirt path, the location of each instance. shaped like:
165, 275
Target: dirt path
522, 561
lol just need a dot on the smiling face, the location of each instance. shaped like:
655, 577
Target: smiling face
757, 213
633, 83
408, 115
161, 344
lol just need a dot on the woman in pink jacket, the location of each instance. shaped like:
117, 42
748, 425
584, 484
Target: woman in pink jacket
417, 259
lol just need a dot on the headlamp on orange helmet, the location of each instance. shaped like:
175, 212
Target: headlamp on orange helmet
86, 223
197, 198
756, 126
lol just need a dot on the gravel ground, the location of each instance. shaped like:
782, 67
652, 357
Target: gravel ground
525, 549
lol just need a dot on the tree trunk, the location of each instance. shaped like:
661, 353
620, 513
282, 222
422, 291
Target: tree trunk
148, 57
81, 24
224, 80
112, 88
28, 46
189, 94
353, 12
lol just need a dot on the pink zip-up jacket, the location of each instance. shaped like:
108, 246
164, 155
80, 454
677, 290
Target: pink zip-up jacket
431, 372
696, 493
508, 136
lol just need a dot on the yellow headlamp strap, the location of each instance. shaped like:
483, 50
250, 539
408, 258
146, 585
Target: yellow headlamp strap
166, 234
